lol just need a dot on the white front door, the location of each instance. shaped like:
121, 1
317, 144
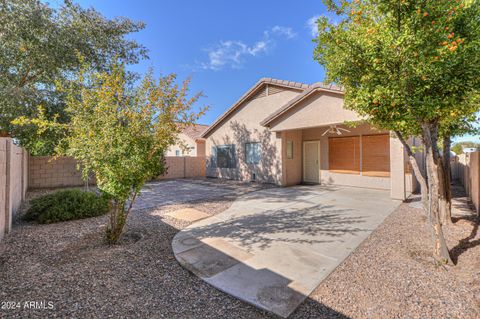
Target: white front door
311, 162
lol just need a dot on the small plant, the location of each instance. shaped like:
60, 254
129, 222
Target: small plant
66, 205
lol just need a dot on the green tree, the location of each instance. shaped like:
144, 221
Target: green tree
120, 133
40, 46
458, 147
410, 67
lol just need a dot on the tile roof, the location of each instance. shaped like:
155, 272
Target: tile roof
195, 131
284, 83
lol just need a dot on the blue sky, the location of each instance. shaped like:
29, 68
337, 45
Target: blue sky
225, 46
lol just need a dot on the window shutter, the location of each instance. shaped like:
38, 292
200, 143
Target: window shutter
376, 155
344, 154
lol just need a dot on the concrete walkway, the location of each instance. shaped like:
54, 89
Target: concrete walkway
273, 247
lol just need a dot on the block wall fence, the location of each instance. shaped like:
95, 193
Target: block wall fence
468, 172
19, 172
13, 182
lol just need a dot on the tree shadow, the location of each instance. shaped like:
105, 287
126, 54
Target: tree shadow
462, 209
312, 225
268, 170
156, 194
468, 242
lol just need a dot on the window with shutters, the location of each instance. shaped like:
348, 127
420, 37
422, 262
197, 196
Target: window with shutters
376, 155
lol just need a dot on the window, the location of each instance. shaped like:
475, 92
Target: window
177, 152
289, 149
252, 153
344, 154
376, 155
224, 156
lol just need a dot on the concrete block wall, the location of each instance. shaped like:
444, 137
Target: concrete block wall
184, 167
13, 182
47, 172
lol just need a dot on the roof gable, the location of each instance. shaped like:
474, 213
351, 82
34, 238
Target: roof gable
314, 88
264, 87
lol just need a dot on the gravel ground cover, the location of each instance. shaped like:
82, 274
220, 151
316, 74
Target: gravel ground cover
391, 275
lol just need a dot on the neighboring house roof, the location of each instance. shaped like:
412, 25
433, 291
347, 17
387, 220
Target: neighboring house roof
316, 87
263, 81
195, 131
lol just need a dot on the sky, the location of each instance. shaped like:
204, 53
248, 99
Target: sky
224, 46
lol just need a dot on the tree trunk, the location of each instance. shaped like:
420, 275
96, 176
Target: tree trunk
447, 203
416, 169
118, 218
435, 174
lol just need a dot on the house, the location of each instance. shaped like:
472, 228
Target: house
469, 149
289, 133
189, 142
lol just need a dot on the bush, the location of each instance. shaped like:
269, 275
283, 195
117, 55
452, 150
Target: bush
66, 205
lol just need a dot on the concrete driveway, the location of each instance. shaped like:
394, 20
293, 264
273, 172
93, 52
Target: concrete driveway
160, 193
273, 247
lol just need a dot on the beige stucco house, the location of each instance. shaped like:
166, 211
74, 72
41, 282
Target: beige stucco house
190, 142
289, 133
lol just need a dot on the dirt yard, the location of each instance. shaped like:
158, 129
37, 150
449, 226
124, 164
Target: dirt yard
68, 266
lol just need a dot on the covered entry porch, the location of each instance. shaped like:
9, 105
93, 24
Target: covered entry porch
318, 148
338, 155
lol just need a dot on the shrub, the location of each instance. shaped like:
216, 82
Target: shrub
66, 205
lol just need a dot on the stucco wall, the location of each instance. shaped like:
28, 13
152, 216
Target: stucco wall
187, 147
292, 167
321, 108
46, 172
244, 126
184, 167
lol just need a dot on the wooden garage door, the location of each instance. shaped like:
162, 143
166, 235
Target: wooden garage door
376, 155
344, 154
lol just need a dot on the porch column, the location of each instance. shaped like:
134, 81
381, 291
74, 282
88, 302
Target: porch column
397, 169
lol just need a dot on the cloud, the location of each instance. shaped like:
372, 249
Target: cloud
284, 31
312, 25
234, 53
332, 17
